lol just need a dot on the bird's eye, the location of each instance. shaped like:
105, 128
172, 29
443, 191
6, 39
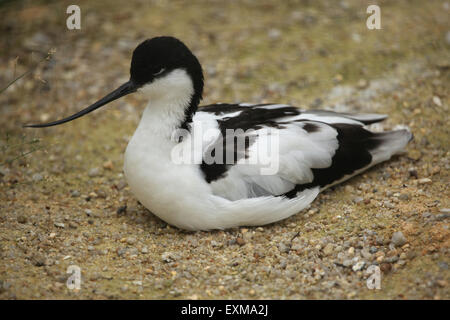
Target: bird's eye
159, 72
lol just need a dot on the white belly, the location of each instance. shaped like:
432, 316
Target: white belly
174, 192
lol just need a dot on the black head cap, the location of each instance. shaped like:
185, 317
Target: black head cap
158, 56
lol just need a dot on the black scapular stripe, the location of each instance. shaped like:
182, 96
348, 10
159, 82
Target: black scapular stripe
250, 117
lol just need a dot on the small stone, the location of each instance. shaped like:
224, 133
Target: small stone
274, 34
168, 257
366, 254
240, 241
437, 101
351, 251
37, 177
122, 184
22, 219
88, 212
73, 225
75, 193
347, 263
388, 204
108, 165
328, 249
358, 266
413, 173
392, 259
362, 83
426, 214
137, 283
385, 267
38, 260
424, 181
403, 196
398, 239
358, 199
121, 210
131, 240
59, 225
144, 250
94, 172
442, 283
121, 252
442, 216
101, 194
284, 248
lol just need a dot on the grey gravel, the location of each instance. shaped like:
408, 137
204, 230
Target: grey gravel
94, 172
60, 225
358, 266
75, 193
398, 239
37, 177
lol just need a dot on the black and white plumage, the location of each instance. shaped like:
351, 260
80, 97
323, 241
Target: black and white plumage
314, 148
317, 148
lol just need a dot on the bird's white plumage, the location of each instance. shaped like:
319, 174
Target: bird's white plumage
179, 193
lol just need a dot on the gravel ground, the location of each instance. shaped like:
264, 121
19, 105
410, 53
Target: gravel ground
64, 200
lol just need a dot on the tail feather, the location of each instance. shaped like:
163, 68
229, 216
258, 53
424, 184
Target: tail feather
389, 143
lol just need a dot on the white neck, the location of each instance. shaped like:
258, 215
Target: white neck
168, 97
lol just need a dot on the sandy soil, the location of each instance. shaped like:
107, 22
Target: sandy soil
64, 200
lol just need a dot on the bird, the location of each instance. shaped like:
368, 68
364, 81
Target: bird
175, 163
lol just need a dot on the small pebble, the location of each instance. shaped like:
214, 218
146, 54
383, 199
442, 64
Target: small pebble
413, 173
108, 165
398, 239
122, 184
424, 181
59, 225
358, 199
403, 196
121, 210
168, 257
385, 267
358, 266
347, 263
38, 260
131, 240
94, 172
75, 193
240, 241
328, 249
37, 177
284, 248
